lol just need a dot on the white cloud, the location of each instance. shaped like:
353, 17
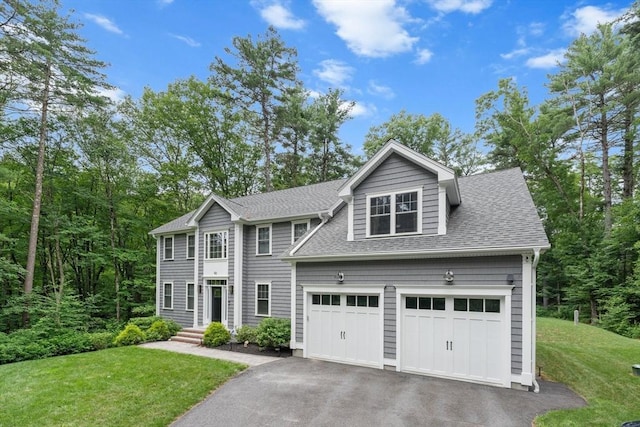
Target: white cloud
362, 109
280, 17
115, 94
550, 60
187, 40
371, 28
379, 90
165, 2
585, 20
536, 29
104, 22
424, 56
334, 72
466, 6
515, 53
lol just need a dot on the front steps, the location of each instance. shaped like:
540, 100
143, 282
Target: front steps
190, 336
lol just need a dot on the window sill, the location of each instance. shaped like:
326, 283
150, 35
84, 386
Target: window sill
411, 233
269, 254
263, 315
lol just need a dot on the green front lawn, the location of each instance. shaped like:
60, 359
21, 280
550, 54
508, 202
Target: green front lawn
127, 386
596, 364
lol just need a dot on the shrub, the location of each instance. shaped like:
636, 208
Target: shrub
101, 340
246, 333
69, 342
274, 332
131, 335
145, 324
159, 331
216, 334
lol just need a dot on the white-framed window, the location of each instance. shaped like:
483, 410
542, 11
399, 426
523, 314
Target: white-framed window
216, 245
167, 249
263, 239
298, 228
167, 295
191, 246
191, 296
394, 213
263, 299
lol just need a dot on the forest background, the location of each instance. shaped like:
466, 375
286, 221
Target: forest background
83, 180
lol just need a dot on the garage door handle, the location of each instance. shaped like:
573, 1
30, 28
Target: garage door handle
447, 345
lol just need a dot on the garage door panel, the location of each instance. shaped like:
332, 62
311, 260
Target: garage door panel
458, 340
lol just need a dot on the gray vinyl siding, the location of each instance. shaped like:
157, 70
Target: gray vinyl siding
216, 219
468, 272
179, 271
395, 174
267, 269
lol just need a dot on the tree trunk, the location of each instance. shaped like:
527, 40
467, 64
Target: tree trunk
627, 156
606, 175
37, 199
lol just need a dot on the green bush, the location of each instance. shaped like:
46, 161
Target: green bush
246, 333
101, 340
69, 342
274, 332
159, 331
145, 324
30, 344
216, 334
130, 335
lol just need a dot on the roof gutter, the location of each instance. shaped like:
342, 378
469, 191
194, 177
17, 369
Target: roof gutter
443, 253
324, 217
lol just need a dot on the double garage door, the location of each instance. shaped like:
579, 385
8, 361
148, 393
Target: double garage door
459, 337
463, 337
345, 328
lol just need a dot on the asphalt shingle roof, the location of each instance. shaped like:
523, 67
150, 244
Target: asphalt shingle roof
293, 202
497, 212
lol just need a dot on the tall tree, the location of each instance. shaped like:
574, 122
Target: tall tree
264, 70
57, 74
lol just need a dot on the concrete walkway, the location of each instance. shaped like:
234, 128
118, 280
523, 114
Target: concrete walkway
232, 356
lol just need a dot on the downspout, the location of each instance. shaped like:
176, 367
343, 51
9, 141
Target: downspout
536, 259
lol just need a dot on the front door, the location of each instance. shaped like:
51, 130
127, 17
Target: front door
216, 304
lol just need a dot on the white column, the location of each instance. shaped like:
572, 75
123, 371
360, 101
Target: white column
238, 233
350, 219
292, 343
158, 260
442, 209
527, 315
196, 282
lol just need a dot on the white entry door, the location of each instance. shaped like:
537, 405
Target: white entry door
459, 337
344, 328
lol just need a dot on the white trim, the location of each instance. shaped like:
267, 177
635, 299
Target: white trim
444, 173
238, 250
207, 296
158, 282
265, 283
195, 248
294, 305
225, 244
259, 226
389, 362
164, 247
392, 214
420, 253
164, 295
204, 207
350, 219
302, 241
196, 263
307, 222
186, 296
527, 338
375, 289
442, 209
456, 290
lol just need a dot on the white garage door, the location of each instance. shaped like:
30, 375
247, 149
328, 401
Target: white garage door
459, 337
344, 328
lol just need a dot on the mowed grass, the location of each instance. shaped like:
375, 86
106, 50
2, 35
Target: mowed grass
596, 364
127, 386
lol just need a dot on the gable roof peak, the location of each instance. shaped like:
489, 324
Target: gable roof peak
446, 176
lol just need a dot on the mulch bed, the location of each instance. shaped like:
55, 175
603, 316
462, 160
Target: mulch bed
254, 349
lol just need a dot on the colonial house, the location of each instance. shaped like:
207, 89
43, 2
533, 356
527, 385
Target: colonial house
402, 266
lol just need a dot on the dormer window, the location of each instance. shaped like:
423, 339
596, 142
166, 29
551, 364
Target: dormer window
394, 213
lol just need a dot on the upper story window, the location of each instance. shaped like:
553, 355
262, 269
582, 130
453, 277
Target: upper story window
298, 229
263, 239
394, 213
191, 246
216, 245
168, 248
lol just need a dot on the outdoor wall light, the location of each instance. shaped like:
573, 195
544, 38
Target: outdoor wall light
510, 279
199, 289
340, 276
230, 289
448, 276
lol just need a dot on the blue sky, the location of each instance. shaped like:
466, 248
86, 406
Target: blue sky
423, 56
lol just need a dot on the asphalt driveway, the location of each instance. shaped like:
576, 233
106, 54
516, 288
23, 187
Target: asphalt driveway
296, 391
